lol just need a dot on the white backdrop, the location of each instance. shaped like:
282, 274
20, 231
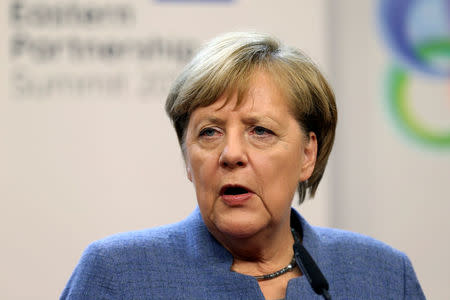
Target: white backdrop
87, 151
85, 147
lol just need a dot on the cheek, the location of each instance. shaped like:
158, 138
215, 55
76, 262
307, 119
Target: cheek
286, 164
201, 167
278, 174
204, 177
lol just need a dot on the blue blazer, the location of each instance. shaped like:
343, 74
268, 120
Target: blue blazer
184, 261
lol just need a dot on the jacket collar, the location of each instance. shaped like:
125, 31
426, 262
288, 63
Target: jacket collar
207, 249
207, 253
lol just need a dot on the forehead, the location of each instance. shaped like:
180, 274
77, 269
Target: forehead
262, 95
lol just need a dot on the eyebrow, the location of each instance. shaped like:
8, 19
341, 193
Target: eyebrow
249, 120
252, 120
212, 119
256, 119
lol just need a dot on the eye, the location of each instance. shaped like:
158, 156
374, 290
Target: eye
261, 131
208, 132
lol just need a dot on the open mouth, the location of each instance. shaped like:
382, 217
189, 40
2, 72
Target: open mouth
233, 190
235, 195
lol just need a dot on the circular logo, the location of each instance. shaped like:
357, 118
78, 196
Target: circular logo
418, 34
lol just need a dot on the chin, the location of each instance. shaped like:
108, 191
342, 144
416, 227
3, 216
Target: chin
239, 226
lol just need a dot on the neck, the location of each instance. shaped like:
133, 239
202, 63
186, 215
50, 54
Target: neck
264, 252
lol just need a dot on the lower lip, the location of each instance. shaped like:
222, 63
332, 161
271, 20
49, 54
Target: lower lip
236, 200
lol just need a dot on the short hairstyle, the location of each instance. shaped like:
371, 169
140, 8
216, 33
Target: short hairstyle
225, 65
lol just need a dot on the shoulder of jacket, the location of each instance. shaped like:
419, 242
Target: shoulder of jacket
355, 246
128, 244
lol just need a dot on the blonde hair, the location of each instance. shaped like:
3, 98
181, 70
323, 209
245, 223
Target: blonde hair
226, 63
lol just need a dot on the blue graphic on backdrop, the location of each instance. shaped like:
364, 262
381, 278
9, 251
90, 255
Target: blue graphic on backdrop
418, 33
407, 24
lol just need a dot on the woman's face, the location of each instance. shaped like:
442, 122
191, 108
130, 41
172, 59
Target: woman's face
246, 161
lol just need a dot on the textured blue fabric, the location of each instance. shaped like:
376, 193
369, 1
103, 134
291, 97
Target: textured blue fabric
184, 261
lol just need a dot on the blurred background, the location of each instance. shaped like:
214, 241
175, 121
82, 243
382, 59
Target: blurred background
86, 149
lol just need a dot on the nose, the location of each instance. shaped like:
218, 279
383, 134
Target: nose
233, 153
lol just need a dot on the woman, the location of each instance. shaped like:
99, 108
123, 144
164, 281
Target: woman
255, 121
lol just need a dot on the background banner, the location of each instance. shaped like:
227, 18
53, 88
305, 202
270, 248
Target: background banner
86, 149
391, 71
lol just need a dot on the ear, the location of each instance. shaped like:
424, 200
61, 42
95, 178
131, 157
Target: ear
309, 155
186, 163
188, 172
